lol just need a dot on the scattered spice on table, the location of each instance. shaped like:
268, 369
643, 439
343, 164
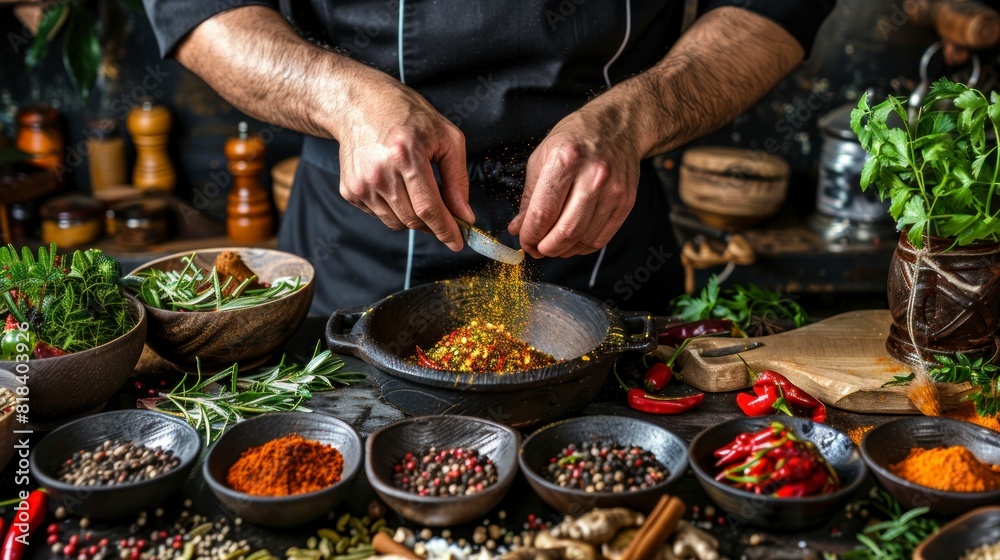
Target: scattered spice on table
777, 462
444, 472
286, 466
482, 347
857, 433
966, 412
950, 469
116, 461
605, 466
990, 551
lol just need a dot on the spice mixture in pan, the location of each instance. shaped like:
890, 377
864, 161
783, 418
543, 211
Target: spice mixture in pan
480, 348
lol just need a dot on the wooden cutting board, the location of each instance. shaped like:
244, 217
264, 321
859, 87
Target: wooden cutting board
842, 361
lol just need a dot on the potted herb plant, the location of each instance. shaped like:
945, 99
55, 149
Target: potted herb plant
940, 174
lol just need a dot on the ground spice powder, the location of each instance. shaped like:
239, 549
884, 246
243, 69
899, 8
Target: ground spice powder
967, 413
286, 466
951, 469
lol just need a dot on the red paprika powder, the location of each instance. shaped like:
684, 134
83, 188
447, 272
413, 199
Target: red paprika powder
288, 465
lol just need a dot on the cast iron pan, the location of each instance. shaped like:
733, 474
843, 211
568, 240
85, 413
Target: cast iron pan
583, 333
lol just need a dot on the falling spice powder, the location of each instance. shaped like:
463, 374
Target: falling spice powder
286, 466
950, 469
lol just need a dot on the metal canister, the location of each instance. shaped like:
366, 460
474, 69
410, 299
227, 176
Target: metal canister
838, 191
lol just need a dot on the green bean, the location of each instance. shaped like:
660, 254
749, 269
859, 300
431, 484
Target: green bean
261, 554
355, 539
325, 547
343, 521
342, 545
188, 552
236, 553
302, 553
329, 534
388, 530
201, 529
379, 523
311, 543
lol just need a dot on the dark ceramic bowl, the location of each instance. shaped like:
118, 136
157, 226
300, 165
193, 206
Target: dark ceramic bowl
786, 514
668, 448
80, 382
152, 429
247, 336
970, 531
387, 446
584, 333
891, 442
282, 511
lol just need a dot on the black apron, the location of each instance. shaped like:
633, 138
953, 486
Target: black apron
505, 77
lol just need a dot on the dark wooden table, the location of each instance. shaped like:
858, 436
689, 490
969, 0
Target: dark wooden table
359, 405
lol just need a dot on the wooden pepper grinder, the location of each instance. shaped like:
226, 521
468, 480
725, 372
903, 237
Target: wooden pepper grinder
150, 125
249, 216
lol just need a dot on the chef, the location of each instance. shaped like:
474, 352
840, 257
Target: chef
533, 120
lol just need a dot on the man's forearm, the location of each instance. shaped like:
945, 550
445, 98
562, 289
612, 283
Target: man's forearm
727, 61
254, 59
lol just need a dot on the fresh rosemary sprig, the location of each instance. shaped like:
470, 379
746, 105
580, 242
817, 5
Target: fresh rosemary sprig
189, 289
897, 536
210, 404
980, 374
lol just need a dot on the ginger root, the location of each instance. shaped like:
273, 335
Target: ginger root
691, 543
597, 526
230, 264
572, 549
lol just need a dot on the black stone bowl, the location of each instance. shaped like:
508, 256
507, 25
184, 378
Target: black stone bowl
152, 429
544, 444
388, 445
282, 511
970, 531
891, 442
575, 328
785, 514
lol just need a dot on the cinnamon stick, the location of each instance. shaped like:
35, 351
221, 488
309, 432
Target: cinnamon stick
384, 545
654, 532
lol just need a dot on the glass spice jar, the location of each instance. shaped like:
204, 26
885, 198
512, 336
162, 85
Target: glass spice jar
141, 223
38, 134
72, 220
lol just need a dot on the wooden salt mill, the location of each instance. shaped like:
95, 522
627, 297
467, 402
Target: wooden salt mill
150, 125
249, 217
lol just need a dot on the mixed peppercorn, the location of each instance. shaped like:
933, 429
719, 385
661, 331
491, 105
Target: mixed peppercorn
481, 347
604, 466
776, 462
116, 462
444, 472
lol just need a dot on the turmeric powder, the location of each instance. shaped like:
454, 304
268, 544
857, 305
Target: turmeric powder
950, 469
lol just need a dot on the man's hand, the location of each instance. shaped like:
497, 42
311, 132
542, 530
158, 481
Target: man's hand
581, 180
387, 144
580, 184
389, 135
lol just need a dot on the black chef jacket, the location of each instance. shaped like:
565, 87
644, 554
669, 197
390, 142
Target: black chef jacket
504, 72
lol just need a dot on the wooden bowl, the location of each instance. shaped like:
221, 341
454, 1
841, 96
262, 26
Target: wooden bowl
891, 442
783, 514
246, 336
667, 446
387, 446
283, 511
80, 382
974, 529
153, 429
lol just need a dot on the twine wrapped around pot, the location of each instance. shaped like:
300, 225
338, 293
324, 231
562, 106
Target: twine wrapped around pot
948, 296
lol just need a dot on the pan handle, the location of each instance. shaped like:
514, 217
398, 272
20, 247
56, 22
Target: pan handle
640, 333
338, 332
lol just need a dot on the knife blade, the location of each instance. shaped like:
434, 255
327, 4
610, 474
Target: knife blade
487, 245
730, 350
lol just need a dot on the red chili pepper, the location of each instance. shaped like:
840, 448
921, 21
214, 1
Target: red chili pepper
658, 377
759, 405
644, 402
817, 481
672, 336
10, 324
23, 528
792, 393
424, 361
46, 350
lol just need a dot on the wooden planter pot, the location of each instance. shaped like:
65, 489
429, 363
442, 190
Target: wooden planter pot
955, 300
